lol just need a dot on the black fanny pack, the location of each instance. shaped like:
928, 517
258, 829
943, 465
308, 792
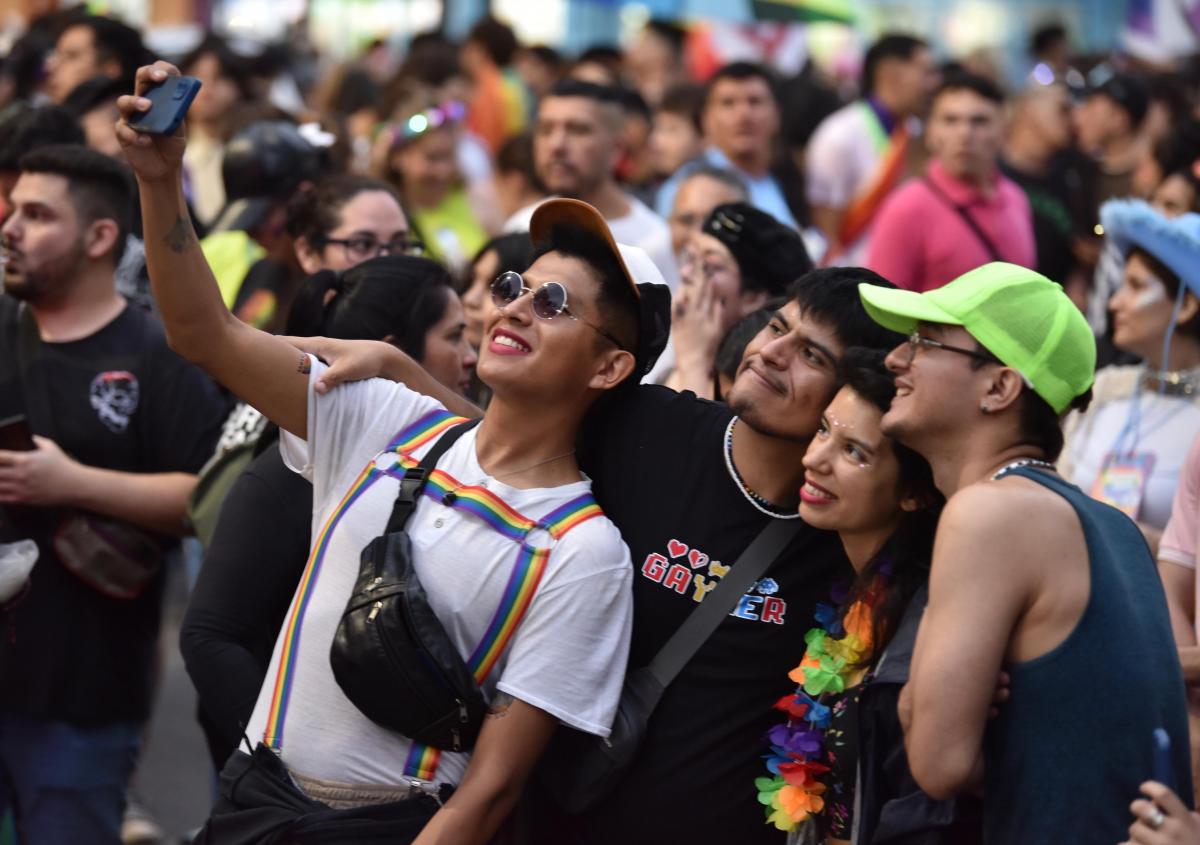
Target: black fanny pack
391, 655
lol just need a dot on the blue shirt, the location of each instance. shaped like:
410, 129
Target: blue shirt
765, 192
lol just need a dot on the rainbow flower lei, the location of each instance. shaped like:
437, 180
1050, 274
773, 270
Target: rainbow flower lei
794, 793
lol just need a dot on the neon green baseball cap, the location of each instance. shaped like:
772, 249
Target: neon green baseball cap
1020, 316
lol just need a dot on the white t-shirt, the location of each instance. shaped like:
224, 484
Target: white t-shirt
568, 655
641, 227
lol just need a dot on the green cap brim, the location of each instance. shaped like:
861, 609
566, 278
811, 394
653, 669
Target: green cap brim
901, 310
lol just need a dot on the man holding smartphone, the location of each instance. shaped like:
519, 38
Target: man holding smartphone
119, 425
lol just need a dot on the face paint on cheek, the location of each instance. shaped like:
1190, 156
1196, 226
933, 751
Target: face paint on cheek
1154, 293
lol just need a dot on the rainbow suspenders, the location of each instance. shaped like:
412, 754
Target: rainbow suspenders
479, 502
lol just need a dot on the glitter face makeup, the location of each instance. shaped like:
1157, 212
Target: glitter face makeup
1155, 291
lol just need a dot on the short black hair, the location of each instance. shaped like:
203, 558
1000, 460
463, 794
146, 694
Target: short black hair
668, 31
893, 45
31, 128
963, 81
830, 295
100, 187
616, 302
685, 100
113, 39
1045, 37
496, 38
741, 71
570, 87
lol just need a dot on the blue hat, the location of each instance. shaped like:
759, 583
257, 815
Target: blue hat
1173, 241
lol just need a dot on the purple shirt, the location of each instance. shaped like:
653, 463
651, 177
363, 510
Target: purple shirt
920, 242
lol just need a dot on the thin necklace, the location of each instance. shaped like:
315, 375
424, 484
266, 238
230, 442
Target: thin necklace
1023, 462
753, 498
532, 466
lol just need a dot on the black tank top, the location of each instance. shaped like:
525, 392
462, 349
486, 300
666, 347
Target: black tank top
1065, 756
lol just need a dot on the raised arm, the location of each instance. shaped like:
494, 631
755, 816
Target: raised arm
265, 371
976, 596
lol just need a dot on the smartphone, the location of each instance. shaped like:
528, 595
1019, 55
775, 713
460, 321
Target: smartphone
169, 102
1164, 769
15, 435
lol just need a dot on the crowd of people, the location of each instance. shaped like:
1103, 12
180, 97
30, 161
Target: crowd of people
590, 450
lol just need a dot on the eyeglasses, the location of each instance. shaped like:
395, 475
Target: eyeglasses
917, 339
549, 301
362, 247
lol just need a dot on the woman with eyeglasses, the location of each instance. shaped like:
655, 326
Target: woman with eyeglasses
345, 220
1128, 448
417, 153
261, 541
835, 764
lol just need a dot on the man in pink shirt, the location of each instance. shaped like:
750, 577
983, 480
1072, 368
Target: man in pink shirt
962, 213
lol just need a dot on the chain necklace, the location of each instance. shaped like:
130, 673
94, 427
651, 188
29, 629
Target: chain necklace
753, 498
1023, 462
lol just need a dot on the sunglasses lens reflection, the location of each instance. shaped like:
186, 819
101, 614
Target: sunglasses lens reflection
506, 288
549, 300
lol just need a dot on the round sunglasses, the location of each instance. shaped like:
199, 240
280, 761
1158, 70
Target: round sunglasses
549, 300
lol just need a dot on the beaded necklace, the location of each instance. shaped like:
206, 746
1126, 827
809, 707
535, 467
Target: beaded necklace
1023, 462
793, 792
753, 498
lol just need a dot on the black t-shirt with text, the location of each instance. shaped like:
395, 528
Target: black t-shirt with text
119, 400
659, 472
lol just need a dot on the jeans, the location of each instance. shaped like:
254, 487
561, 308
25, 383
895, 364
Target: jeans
65, 783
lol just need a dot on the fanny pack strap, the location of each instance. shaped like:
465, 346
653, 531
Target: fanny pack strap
415, 478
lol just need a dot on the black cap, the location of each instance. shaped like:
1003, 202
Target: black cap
1129, 92
769, 254
265, 163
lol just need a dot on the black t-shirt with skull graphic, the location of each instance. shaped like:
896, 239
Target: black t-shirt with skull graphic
120, 400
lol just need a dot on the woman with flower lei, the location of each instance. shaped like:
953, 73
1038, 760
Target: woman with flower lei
879, 497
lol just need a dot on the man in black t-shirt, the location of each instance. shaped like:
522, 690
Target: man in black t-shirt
690, 483
120, 426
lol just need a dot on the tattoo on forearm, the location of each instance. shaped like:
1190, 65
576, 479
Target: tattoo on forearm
305, 366
181, 235
498, 709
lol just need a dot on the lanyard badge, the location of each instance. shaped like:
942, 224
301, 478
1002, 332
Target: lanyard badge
1122, 481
